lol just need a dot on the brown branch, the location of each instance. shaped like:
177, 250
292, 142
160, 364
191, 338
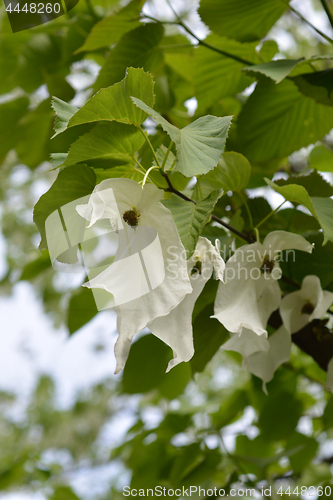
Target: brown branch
171, 189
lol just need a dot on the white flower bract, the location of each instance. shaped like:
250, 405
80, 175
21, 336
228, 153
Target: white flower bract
175, 329
142, 279
301, 307
251, 292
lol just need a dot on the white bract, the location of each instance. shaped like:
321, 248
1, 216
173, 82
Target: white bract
301, 307
264, 364
261, 356
175, 329
142, 280
251, 291
246, 344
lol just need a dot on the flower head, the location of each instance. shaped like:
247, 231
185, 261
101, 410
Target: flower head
141, 278
301, 307
251, 274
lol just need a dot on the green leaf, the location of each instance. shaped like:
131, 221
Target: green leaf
33, 135
230, 409
160, 153
324, 211
279, 416
276, 70
10, 114
231, 174
108, 31
64, 493
175, 381
199, 145
82, 308
319, 261
321, 158
114, 103
190, 457
137, 48
71, 184
277, 120
314, 184
208, 336
321, 208
64, 112
59, 87
255, 454
328, 415
301, 459
216, 76
191, 218
241, 19
279, 69
296, 194
106, 142
36, 267
145, 369
317, 85
128, 171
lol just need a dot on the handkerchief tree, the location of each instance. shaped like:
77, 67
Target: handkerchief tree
193, 190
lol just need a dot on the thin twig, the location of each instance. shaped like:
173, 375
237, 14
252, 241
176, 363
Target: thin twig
246, 238
179, 22
328, 12
327, 38
171, 189
270, 214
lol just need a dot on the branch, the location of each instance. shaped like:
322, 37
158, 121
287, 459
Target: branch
327, 38
179, 22
244, 236
328, 12
171, 189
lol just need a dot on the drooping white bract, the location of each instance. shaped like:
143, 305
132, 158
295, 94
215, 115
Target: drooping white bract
246, 344
301, 307
261, 356
175, 329
251, 273
144, 283
264, 364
